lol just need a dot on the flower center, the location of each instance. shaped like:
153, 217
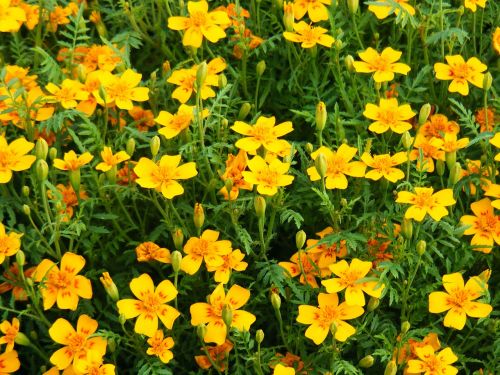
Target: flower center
487, 221
424, 200
388, 116
181, 121
349, 278
268, 177
380, 64
198, 19
458, 298
262, 133
310, 35
60, 280
150, 303
383, 163
6, 159
461, 71
76, 342
336, 165
327, 316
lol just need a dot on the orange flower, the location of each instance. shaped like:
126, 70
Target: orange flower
14, 282
430, 148
305, 264
489, 116
235, 165
207, 248
485, 226
326, 252
13, 157
10, 331
438, 126
144, 119
148, 251
10, 243
9, 362
217, 353
160, 347
68, 198
232, 261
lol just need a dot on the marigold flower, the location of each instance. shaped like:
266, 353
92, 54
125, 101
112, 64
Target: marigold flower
475, 167
283, 370
383, 65
309, 35
10, 331
496, 40
425, 201
388, 115
77, 343
13, 157
316, 9
338, 166
68, 94
58, 16
91, 85
9, 361
11, 17
150, 305
485, 226
232, 261
160, 347
473, 4
162, 175
461, 72
92, 364
493, 190
144, 119
458, 300
173, 125
452, 144
431, 363
407, 351
486, 119
148, 251
495, 141
122, 90
430, 148
14, 282
383, 11
69, 199
383, 166
438, 126
110, 160
327, 253
235, 165
72, 162
328, 313
217, 353
267, 177
289, 360
349, 279
211, 313
305, 264
200, 23
10, 243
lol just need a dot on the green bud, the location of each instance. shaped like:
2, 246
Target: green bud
227, 315
421, 246
391, 368
176, 259
321, 115
25, 191
309, 148
454, 174
74, 179
440, 167
333, 329
260, 68
343, 202
178, 238
130, 148
52, 153
26, 210
111, 344
487, 81
34, 335
353, 5
300, 239
222, 81
407, 140
224, 123
42, 170
366, 362
405, 327
275, 301
154, 145
321, 164
201, 75
244, 111
407, 228
259, 336
22, 339
260, 206
424, 113
201, 331
228, 184
41, 149
198, 216
451, 159
20, 258
349, 63
288, 18
373, 303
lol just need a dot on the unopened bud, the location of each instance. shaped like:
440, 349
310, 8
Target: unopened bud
201, 75
122, 319
333, 329
288, 18
199, 216
176, 259
20, 258
52, 153
26, 210
321, 164
41, 149
407, 140
349, 63
130, 148
424, 113
222, 81
224, 123
391, 368
454, 174
178, 238
373, 303
74, 179
110, 286
276, 301
378, 86
42, 170
451, 159
259, 336
421, 246
343, 202
366, 362
309, 148
34, 335
154, 145
353, 5
440, 167
228, 184
260, 206
260, 68
407, 228
22, 339
227, 315
111, 344
320, 116
300, 239
165, 67
201, 331
487, 81
405, 327
25, 190
244, 111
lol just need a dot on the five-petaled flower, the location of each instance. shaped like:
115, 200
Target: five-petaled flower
383, 65
461, 72
173, 124
383, 166
267, 177
160, 347
232, 261
72, 162
13, 157
309, 35
10, 243
485, 226
382, 9
11, 332
316, 9
425, 201
389, 115
122, 90
111, 160
431, 363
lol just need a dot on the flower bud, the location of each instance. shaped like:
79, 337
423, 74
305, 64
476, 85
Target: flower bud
222, 81
487, 81
407, 140
34, 335
244, 111
42, 170
421, 245
440, 167
74, 179
130, 148
366, 362
349, 63
288, 18
111, 344
154, 145
260, 68
275, 301
52, 153
391, 368
20, 258
333, 329
22, 339
320, 116
451, 159
405, 327
353, 6
424, 113
373, 303
300, 239
227, 315
259, 336
201, 75
378, 86
309, 148
25, 191
224, 123
454, 174
201, 331
178, 238
122, 319
407, 228
176, 259
228, 184
199, 216
343, 202
321, 164
109, 286
260, 206
41, 149
26, 210
165, 67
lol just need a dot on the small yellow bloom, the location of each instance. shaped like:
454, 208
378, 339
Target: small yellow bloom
122, 90
458, 300
68, 94
162, 175
385, 8
461, 72
11, 18
316, 9
431, 363
9, 361
148, 251
485, 226
10, 243
438, 126
211, 313
389, 115
110, 160
493, 190
72, 162
329, 313
232, 261
452, 144
383, 65
13, 157
425, 201
151, 304
305, 264
473, 4
309, 35
383, 166
160, 347
430, 148
10, 331
172, 125
267, 177
327, 252
283, 370
200, 23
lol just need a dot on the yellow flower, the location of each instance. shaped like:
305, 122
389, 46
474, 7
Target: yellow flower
485, 226
461, 72
267, 177
338, 166
9, 361
430, 148
211, 313
496, 40
383, 166
72, 162
122, 90
305, 264
63, 285
458, 300
495, 141
200, 23
438, 126
316, 9
205, 248
473, 4
388, 115
235, 165
160, 346
383, 65
283, 370
148, 251
78, 343
13, 157
162, 175
385, 8
10, 331
327, 252
431, 363
151, 304
425, 201
10, 243
172, 125
349, 279
11, 17
452, 144
329, 313
92, 364
68, 94
232, 261
309, 35
110, 160
493, 190
263, 134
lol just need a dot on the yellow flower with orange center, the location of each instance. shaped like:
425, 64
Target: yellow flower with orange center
148, 251
68, 95
267, 177
431, 363
452, 144
425, 151
78, 344
458, 300
10, 331
164, 174
13, 157
232, 261
200, 23
484, 226
122, 90
389, 115
424, 201
383, 8
383, 166
473, 4
211, 313
339, 165
460, 73
383, 65
11, 18
151, 304
160, 347
173, 125
235, 165
438, 126
349, 278
309, 35
328, 313
111, 160
72, 162
9, 361
10, 243
326, 252
63, 285
316, 9
283, 370
305, 264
